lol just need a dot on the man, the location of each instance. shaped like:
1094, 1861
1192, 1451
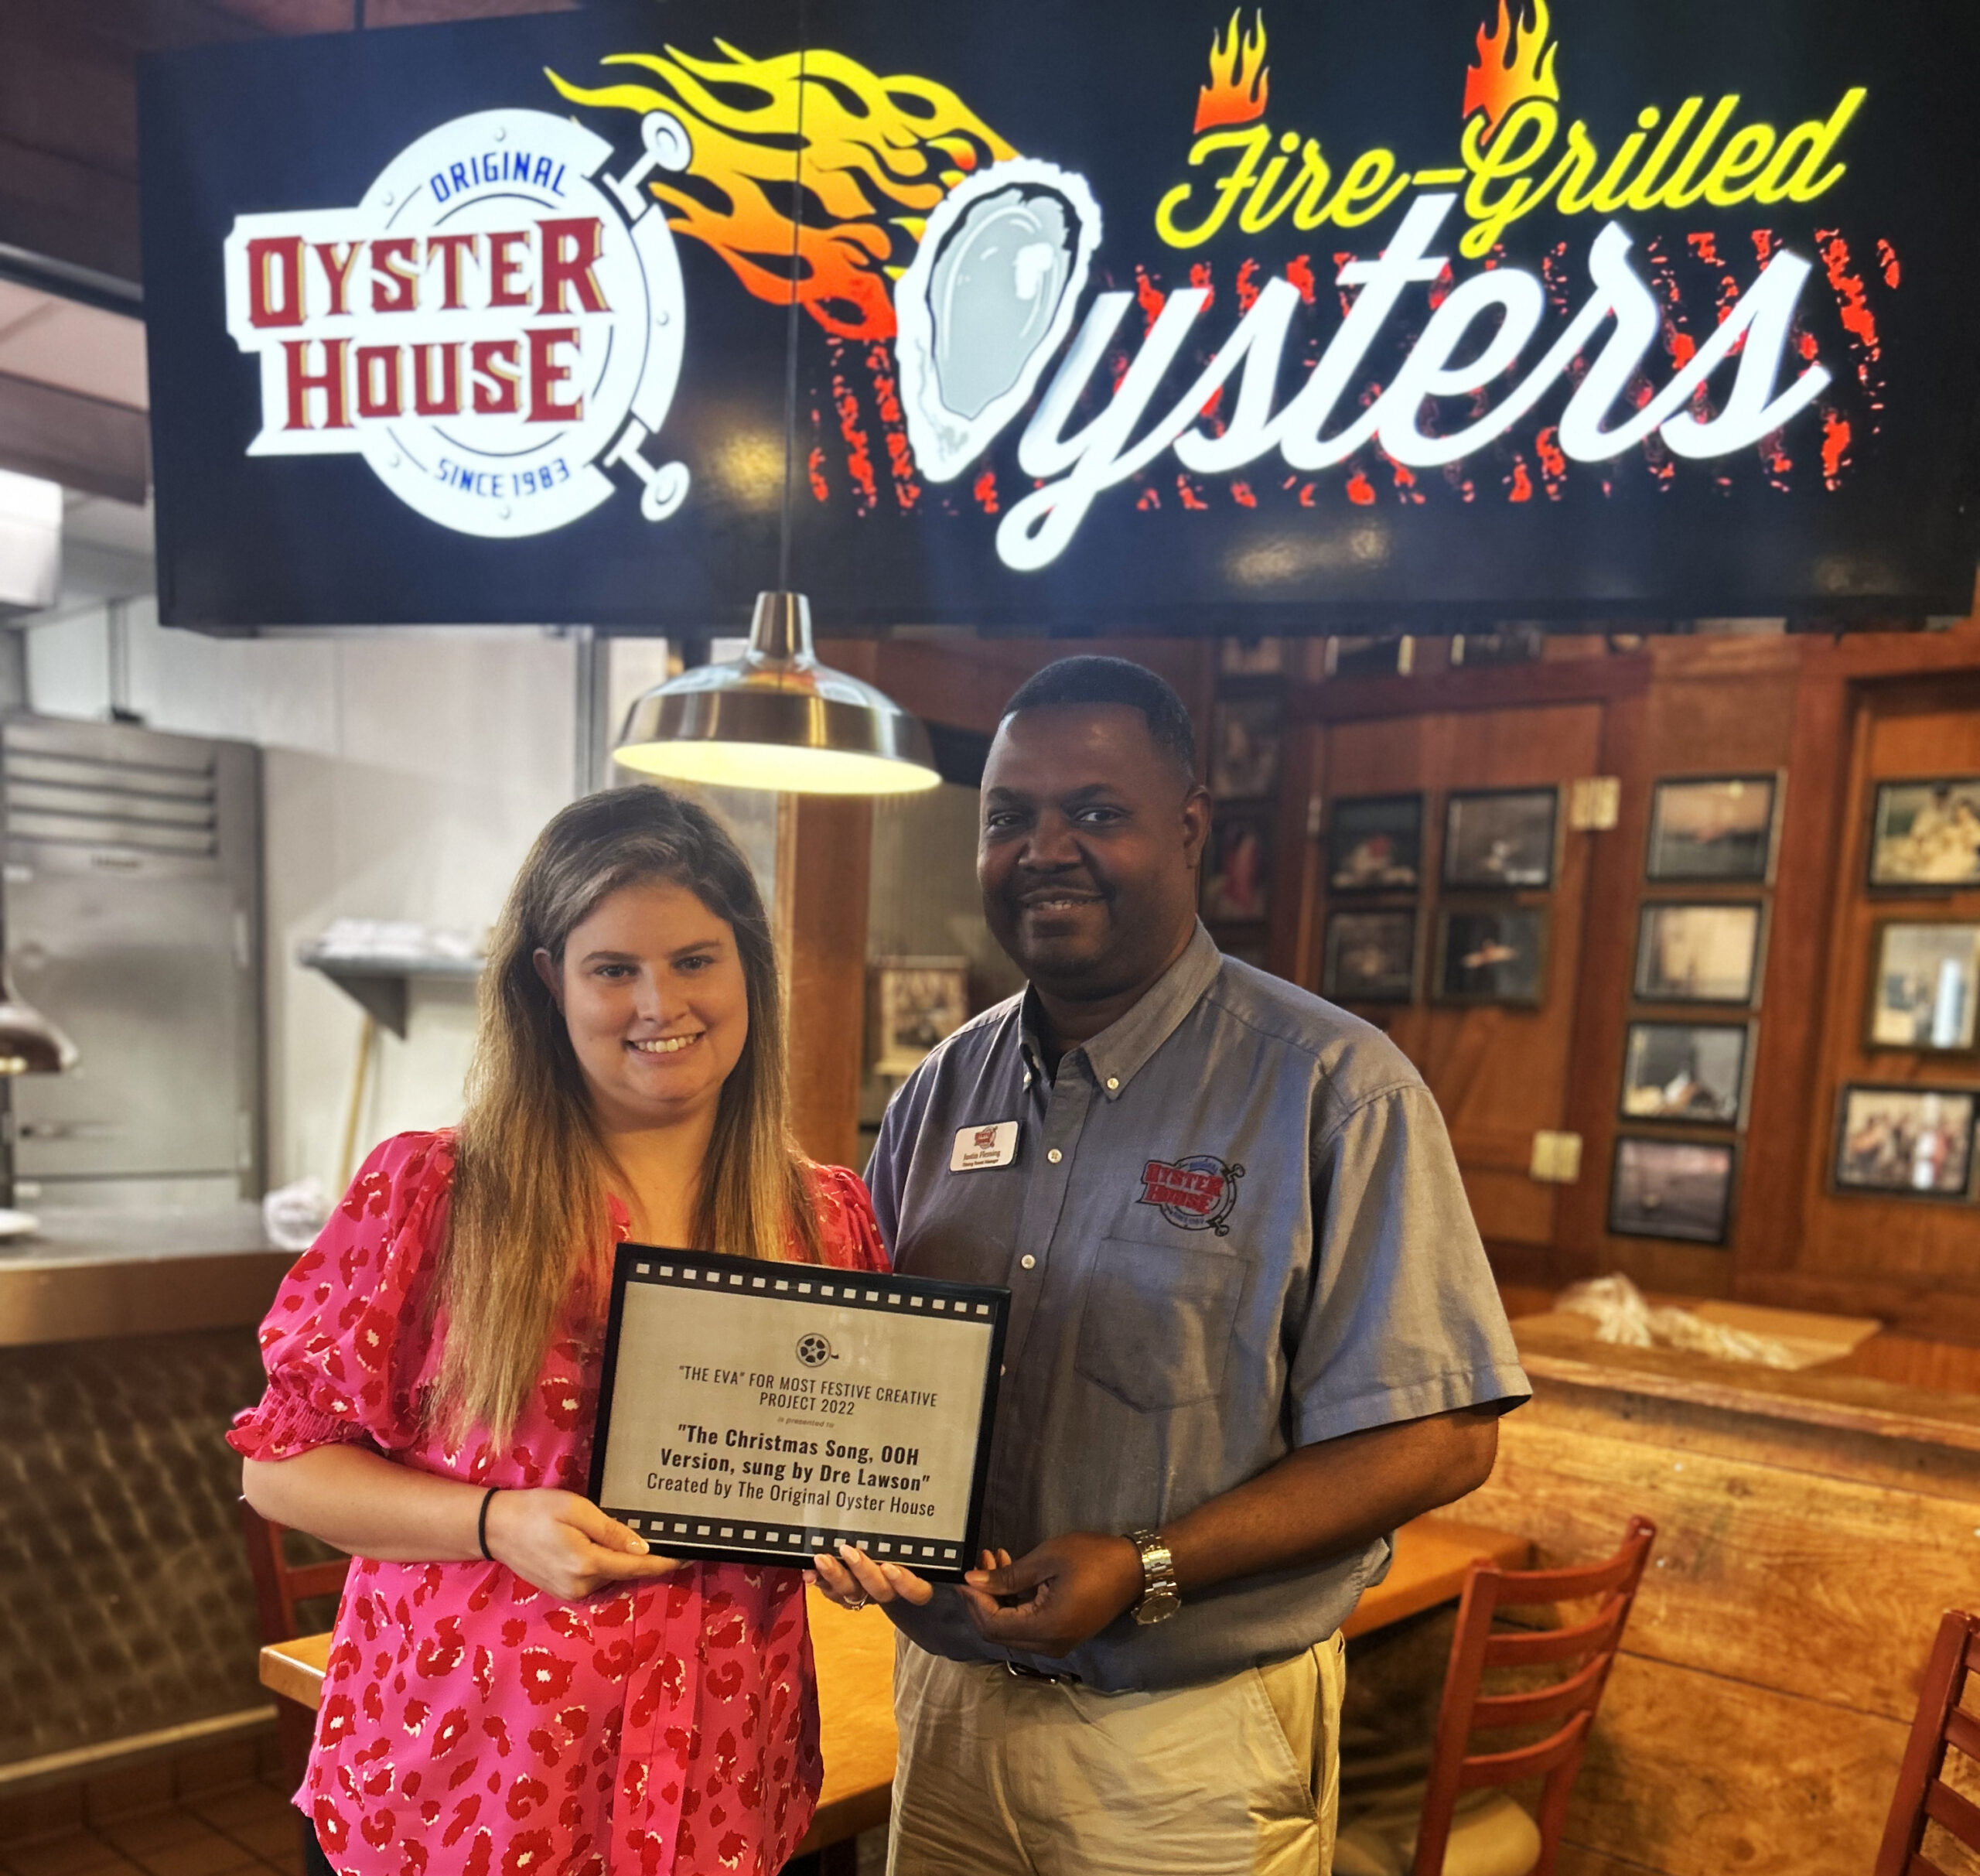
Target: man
1252, 1330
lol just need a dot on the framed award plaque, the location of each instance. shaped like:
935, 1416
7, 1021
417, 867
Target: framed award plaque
757, 1413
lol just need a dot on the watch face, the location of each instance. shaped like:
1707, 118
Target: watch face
1158, 1605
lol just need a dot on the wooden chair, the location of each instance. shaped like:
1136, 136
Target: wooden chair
1591, 1645
279, 1586
1921, 1793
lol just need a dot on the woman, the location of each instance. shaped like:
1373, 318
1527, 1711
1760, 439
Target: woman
516, 1683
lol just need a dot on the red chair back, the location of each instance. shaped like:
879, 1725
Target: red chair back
1590, 1646
1922, 1793
280, 1585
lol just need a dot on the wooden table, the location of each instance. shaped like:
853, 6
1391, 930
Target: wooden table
855, 1658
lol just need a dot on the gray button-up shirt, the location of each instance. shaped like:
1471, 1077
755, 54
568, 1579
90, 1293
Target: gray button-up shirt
1232, 1225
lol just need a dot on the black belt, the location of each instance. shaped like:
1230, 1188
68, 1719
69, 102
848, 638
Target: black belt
1018, 1671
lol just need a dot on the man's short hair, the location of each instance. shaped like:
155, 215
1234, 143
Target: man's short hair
1091, 679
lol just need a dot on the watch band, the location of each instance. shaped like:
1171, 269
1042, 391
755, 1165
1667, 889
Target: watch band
1160, 1598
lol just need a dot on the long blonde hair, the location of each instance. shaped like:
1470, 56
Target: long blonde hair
529, 1216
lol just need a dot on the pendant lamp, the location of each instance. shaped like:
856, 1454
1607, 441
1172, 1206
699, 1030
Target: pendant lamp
777, 718
29, 1044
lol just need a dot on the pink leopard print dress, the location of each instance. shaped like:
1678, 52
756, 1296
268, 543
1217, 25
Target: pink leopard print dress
469, 1722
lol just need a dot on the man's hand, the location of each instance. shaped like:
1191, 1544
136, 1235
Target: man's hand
1057, 1596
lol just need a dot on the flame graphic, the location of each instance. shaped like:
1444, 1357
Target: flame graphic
877, 154
1239, 79
1513, 63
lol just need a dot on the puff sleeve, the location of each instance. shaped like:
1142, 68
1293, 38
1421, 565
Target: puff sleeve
350, 1333
848, 1233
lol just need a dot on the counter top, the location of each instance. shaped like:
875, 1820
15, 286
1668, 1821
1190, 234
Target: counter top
93, 1272
1813, 1396
98, 1235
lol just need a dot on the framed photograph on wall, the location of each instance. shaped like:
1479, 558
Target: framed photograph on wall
1497, 838
1490, 955
1244, 739
1370, 957
917, 1002
1924, 986
1680, 1189
1698, 953
1375, 844
1925, 835
1238, 869
1911, 1142
1695, 1071
1713, 827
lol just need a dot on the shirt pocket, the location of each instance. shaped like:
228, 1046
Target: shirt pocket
1156, 1326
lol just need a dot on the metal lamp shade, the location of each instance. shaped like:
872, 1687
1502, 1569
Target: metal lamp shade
29, 1044
778, 718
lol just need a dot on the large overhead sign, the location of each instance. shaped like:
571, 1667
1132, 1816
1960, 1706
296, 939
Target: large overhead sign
1104, 316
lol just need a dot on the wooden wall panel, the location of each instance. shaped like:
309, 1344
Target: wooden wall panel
1733, 1534
1713, 706
1690, 1774
1757, 1717
955, 678
1900, 730
1831, 717
1499, 1073
825, 850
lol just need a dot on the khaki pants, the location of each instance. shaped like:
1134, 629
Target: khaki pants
1024, 1778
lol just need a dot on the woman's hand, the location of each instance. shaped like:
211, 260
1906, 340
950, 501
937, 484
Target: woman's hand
564, 1546
853, 1579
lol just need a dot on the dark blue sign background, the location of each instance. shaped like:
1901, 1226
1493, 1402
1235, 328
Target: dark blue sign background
1862, 507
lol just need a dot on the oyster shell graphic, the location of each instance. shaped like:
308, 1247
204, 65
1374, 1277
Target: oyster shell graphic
985, 303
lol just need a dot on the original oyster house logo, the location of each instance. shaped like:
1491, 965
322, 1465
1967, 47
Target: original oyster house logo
494, 327
491, 328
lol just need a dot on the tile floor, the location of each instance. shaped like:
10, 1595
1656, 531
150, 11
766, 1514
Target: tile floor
245, 1830
223, 1813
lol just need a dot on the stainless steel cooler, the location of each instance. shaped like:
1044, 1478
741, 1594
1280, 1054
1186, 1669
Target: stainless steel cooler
130, 906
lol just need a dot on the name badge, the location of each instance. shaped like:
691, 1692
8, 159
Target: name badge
994, 1144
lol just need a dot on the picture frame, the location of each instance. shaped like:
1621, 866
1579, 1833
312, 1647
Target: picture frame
1925, 835
1370, 957
1501, 839
1700, 951
675, 1318
1681, 1190
1924, 986
1246, 734
1238, 869
1491, 953
1707, 828
917, 1002
1904, 1141
1695, 1072
1375, 844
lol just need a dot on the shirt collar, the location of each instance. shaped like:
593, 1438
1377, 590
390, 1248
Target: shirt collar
1115, 1056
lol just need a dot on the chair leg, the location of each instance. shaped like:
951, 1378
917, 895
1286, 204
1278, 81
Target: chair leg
295, 1731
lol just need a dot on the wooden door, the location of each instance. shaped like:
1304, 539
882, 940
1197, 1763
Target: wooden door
1500, 1072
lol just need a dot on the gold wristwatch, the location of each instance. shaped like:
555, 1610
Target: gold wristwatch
1160, 1598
